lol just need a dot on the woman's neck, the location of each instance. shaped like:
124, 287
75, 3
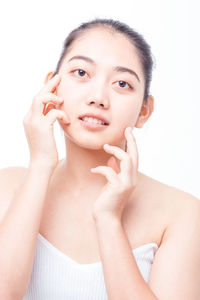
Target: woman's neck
77, 164
74, 176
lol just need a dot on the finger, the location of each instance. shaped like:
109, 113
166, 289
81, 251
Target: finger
48, 107
50, 97
132, 147
131, 144
51, 85
108, 172
125, 162
55, 114
49, 102
112, 163
119, 153
40, 101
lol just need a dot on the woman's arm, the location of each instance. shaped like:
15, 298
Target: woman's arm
176, 268
122, 276
175, 272
19, 229
20, 226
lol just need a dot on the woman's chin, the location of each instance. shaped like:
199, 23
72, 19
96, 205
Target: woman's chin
85, 141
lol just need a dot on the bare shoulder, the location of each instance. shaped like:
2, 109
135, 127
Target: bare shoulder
11, 176
10, 179
173, 202
179, 249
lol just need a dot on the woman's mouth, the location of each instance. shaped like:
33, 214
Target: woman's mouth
92, 123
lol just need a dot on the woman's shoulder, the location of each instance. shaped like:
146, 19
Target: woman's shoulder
166, 208
181, 211
174, 201
10, 179
10, 176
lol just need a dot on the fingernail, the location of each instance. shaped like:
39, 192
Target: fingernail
107, 146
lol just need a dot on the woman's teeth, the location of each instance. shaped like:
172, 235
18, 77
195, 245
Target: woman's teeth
92, 120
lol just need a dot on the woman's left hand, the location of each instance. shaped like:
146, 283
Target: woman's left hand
121, 183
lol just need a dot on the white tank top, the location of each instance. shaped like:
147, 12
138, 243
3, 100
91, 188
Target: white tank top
55, 276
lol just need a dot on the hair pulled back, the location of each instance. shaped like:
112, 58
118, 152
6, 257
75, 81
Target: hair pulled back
142, 47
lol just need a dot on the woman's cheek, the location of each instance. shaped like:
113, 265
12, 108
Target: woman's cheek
67, 90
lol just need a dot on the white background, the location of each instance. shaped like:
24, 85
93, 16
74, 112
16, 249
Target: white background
32, 34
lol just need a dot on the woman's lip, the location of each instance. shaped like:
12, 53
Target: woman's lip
95, 116
93, 126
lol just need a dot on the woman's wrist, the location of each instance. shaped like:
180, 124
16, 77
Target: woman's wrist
42, 166
105, 220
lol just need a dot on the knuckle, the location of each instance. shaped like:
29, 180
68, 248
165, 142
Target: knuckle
51, 112
62, 113
56, 98
59, 113
48, 96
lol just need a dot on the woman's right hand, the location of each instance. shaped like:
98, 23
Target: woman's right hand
38, 125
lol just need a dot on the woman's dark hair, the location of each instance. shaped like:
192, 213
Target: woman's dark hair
142, 47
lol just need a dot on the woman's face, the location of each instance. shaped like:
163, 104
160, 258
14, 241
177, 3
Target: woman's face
99, 85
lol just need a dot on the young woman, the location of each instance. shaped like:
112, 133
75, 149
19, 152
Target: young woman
91, 226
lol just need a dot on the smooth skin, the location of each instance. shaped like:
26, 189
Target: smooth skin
141, 210
120, 182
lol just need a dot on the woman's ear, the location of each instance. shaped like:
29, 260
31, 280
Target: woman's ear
145, 112
48, 76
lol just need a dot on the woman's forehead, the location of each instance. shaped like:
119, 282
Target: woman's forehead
104, 38
101, 44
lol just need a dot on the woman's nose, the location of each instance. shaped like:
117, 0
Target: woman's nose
99, 98
98, 102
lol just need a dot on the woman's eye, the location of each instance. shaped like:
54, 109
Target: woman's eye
81, 72
124, 83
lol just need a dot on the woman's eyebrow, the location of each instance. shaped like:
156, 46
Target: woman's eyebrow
116, 69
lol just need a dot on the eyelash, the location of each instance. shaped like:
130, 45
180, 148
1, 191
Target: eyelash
130, 87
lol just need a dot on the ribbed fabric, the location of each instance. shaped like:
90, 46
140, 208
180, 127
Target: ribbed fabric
55, 276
